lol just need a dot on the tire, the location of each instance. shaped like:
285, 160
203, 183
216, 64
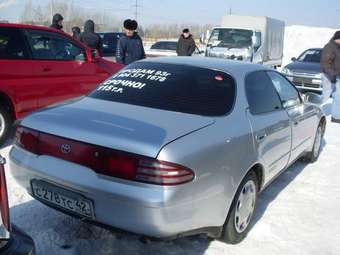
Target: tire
234, 231
5, 124
313, 155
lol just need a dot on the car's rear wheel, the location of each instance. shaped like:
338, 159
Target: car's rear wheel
314, 154
5, 124
242, 210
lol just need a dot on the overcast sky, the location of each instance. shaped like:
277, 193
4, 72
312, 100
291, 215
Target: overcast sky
323, 13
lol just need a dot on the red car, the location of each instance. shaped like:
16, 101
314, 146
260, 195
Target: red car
12, 240
40, 66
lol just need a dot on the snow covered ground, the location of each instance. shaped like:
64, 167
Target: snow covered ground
297, 214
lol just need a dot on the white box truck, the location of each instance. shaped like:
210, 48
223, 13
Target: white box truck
246, 38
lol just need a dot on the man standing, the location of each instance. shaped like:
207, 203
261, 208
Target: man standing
186, 44
130, 46
90, 38
57, 21
330, 65
76, 32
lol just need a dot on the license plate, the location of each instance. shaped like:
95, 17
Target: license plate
62, 198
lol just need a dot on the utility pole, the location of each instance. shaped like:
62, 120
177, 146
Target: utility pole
52, 8
136, 9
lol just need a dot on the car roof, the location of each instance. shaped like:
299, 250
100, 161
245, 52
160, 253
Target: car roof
229, 66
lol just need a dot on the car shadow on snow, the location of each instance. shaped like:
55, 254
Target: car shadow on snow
56, 233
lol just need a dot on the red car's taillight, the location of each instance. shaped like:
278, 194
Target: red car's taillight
104, 161
4, 208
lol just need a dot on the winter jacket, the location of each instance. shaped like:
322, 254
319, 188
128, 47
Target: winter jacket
129, 49
90, 38
185, 46
56, 18
330, 60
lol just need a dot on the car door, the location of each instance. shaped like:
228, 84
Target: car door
62, 68
16, 73
302, 117
269, 122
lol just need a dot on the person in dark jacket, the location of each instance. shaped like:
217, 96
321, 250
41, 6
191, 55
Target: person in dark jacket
130, 46
330, 66
186, 44
90, 38
57, 21
76, 33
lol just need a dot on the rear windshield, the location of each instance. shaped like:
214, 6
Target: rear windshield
171, 87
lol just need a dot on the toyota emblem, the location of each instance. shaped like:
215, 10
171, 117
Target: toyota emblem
65, 148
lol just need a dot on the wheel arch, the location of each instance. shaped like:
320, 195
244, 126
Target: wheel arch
8, 102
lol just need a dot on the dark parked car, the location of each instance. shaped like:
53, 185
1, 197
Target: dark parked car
305, 71
12, 240
110, 43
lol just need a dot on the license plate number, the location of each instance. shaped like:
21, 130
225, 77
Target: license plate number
62, 198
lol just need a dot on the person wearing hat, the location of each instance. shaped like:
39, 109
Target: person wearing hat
130, 46
330, 66
186, 44
57, 21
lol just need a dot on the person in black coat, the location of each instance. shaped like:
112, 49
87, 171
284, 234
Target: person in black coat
90, 38
186, 44
76, 33
130, 46
57, 21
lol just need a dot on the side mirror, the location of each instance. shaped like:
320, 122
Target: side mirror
312, 98
294, 59
255, 41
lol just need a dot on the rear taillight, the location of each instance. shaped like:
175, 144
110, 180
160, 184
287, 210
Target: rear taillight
4, 208
163, 173
27, 139
104, 161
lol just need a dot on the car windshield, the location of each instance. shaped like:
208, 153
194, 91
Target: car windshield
313, 56
164, 46
231, 38
171, 87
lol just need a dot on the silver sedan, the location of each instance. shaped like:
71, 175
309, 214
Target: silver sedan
169, 147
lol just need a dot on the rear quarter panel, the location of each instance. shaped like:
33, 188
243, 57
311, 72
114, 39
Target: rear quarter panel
220, 155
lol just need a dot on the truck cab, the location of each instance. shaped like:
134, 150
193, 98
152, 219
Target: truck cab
234, 44
247, 38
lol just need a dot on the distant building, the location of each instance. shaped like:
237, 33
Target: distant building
3, 21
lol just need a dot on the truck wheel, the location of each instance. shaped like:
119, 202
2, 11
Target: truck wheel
5, 124
243, 207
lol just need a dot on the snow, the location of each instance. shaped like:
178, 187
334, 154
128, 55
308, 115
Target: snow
297, 214
300, 38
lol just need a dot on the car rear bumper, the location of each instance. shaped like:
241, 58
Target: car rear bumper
19, 244
151, 210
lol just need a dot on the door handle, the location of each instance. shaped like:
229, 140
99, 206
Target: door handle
296, 123
46, 69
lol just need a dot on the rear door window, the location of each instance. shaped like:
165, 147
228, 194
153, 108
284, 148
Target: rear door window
261, 94
12, 44
171, 87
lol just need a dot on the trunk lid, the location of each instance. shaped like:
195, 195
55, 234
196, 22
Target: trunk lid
124, 127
